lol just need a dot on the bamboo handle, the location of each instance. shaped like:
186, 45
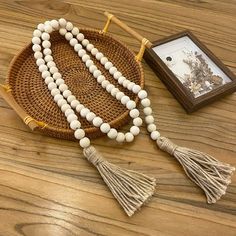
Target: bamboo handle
144, 42
5, 92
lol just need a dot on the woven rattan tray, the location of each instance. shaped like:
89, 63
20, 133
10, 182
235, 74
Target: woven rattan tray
27, 93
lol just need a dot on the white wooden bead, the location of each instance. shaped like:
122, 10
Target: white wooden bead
121, 80
109, 87
36, 40
114, 91
56, 75
85, 57
81, 52
38, 55
40, 61
45, 74
90, 116
36, 47
108, 65
97, 121
58, 97
149, 119
105, 128
112, 134
130, 105
53, 70
125, 83
85, 42
130, 85
69, 26
88, 63
134, 113
74, 104
45, 36
48, 58
155, 135
68, 112
136, 88
94, 51
134, 130
119, 95
105, 83
146, 102
79, 134
59, 81
151, 127
117, 75
65, 107
54, 24
79, 107
100, 78
84, 112
84, 142
75, 124
63, 87
48, 28
40, 27
37, 33
120, 137
62, 31
71, 117
99, 55
103, 60
142, 94
77, 47
47, 51
73, 42
75, 31
147, 111
71, 98
51, 86
46, 44
129, 137
80, 37
50, 63
66, 93
48, 80
112, 70
124, 100
62, 22
137, 121
89, 47
68, 36
61, 102
92, 68
55, 91
97, 73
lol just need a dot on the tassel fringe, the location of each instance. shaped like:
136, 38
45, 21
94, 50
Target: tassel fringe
130, 188
204, 170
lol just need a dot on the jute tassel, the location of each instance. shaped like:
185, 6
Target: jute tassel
208, 173
130, 188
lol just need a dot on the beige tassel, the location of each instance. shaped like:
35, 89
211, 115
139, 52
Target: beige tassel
208, 173
130, 188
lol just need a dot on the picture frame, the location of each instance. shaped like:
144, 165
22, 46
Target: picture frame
191, 72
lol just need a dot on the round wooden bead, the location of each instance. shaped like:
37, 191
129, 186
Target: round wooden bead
68, 112
43, 68
84, 112
73, 42
121, 80
48, 80
75, 124
129, 137
105, 128
77, 47
125, 83
85, 57
134, 130
45, 36
90, 116
56, 75
108, 65
79, 134
75, 103
40, 61
136, 88
130, 85
48, 58
79, 107
147, 111
124, 100
37, 33
58, 97
137, 121
38, 55
109, 87
67, 93
65, 107
62, 22
75, 31
36, 40
89, 47
120, 137
149, 119
117, 75
71, 117
112, 134
89, 63
55, 91
45, 74
53, 69
92, 68
134, 113
97, 121
46, 44
155, 135
62, 31
146, 102
142, 94
40, 27
112, 70
103, 60
130, 105
71, 98
36, 47
105, 83
100, 78
114, 91
69, 26
99, 55
68, 36
51, 86
48, 28
84, 142
85, 42
54, 24
96, 73
80, 37
63, 87
50, 63
94, 51
60, 81
151, 127
61, 102
119, 95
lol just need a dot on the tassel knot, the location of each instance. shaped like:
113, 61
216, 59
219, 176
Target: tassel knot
166, 145
93, 156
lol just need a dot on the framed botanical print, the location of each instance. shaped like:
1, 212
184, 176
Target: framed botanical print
192, 73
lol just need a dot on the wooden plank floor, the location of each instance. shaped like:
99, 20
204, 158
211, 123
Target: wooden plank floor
48, 188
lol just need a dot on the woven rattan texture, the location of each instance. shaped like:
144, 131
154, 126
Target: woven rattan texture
31, 93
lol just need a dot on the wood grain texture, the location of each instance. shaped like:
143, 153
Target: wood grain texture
48, 188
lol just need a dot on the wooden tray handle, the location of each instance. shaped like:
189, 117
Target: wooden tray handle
5, 92
144, 42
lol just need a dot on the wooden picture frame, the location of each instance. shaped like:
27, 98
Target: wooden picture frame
188, 93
